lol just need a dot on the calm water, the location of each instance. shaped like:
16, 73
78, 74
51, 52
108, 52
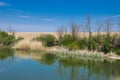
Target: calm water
15, 65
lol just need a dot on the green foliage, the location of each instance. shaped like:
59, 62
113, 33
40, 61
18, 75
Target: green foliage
106, 47
117, 52
47, 40
6, 39
69, 42
66, 40
5, 53
19, 39
103, 43
47, 59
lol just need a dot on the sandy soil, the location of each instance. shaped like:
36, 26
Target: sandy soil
31, 35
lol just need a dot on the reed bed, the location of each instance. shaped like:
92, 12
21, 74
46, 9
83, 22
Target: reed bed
82, 54
29, 45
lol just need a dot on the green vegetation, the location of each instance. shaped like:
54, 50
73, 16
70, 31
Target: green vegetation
19, 39
47, 40
6, 39
99, 43
72, 40
5, 53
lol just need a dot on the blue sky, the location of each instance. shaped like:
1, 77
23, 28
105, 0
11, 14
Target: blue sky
47, 15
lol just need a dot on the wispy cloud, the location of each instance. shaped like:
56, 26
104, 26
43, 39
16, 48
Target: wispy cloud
24, 16
3, 3
48, 19
116, 16
15, 10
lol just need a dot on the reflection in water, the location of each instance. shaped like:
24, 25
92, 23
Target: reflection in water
90, 70
41, 57
71, 68
47, 59
5, 53
78, 68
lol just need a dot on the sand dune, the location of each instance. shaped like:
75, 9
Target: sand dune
30, 35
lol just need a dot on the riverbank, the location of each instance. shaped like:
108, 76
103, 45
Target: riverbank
63, 52
81, 47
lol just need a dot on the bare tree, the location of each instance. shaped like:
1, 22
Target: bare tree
108, 25
108, 33
88, 27
74, 30
83, 30
60, 31
98, 28
119, 26
11, 31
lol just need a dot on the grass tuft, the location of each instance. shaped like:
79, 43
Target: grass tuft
29, 45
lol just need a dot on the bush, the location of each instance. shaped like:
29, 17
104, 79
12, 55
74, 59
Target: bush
19, 39
47, 40
117, 52
6, 39
29, 45
67, 40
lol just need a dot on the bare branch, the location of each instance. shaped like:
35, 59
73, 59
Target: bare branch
74, 30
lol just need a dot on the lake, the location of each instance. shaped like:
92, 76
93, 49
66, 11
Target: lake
21, 65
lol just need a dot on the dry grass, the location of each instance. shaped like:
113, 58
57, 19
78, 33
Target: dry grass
83, 54
31, 35
35, 45
26, 45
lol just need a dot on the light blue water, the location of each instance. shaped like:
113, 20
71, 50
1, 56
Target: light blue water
39, 66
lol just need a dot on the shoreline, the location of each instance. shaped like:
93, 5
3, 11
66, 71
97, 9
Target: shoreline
62, 52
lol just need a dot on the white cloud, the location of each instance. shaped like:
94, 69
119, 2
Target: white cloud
3, 4
24, 16
48, 19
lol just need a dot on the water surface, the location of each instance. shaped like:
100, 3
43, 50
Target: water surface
16, 65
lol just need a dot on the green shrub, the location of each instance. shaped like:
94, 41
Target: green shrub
117, 52
19, 39
67, 40
47, 40
6, 39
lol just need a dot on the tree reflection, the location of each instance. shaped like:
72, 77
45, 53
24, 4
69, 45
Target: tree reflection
41, 57
47, 59
5, 53
88, 70
78, 69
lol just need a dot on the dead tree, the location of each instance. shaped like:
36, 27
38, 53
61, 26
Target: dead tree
119, 26
11, 31
61, 31
83, 30
108, 26
88, 27
74, 30
108, 33
98, 28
